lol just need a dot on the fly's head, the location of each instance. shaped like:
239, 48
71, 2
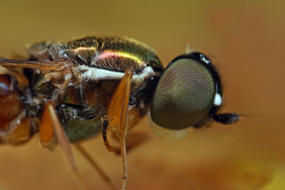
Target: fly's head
188, 93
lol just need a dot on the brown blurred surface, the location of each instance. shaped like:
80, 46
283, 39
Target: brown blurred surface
246, 41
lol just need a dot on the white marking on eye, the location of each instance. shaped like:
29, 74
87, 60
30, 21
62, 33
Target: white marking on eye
92, 73
218, 100
205, 60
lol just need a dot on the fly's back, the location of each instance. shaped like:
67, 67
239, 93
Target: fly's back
111, 53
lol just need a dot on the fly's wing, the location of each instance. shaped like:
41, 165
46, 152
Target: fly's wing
42, 65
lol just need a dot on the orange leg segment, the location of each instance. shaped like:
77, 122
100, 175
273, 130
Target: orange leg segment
118, 115
51, 126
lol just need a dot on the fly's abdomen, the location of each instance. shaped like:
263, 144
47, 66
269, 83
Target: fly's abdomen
9, 98
78, 123
82, 110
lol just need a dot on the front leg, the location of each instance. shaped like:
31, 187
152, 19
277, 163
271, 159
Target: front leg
118, 118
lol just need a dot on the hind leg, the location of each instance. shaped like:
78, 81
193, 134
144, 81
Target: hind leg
52, 131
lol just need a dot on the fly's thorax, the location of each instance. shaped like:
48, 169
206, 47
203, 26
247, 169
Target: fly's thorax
83, 96
111, 53
94, 59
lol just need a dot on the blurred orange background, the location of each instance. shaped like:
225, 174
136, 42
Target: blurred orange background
245, 40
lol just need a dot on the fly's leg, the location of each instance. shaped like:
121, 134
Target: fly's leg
104, 176
46, 130
110, 147
49, 129
134, 139
118, 119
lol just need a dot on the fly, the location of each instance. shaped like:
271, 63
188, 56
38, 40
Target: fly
70, 91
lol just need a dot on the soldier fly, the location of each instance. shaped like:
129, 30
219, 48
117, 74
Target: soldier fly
73, 90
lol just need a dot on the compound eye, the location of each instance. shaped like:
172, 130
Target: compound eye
184, 95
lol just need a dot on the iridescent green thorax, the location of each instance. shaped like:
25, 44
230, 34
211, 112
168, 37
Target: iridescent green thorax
112, 53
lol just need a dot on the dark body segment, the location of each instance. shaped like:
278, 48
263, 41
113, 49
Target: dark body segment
82, 103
